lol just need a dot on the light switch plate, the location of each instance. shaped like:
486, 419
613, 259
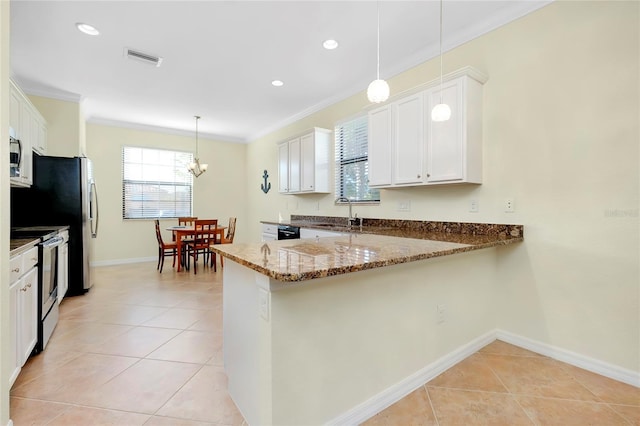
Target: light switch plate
474, 206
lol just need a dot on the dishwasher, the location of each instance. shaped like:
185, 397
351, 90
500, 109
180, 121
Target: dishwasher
288, 232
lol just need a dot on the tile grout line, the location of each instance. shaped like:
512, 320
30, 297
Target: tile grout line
433, 409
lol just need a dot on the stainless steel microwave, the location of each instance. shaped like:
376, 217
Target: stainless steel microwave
15, 155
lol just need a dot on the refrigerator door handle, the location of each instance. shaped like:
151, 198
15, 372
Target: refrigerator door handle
94, 211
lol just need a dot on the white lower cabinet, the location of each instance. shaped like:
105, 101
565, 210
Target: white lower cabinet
23, 309
269, 232
317, 233
407, 148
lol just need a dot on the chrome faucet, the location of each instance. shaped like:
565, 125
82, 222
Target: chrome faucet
350, 218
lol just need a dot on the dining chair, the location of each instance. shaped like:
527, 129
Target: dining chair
204, 236
228, 238
164, 248
185, 221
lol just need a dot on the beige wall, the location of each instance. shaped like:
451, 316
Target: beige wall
561, 138
64, 127
216, 193
4, 214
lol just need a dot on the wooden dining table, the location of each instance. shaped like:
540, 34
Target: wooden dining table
181, 231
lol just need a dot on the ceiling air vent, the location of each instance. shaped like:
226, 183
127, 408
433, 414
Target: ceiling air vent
143, 57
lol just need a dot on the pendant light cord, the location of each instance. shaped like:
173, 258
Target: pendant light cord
440, 51
197, 118
378, 26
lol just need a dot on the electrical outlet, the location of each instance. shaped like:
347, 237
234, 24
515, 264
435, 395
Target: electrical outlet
441, 311
509, 205
404, 206
474, 206
263, 302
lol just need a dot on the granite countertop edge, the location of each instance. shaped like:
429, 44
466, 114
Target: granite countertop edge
425, 240
321, 273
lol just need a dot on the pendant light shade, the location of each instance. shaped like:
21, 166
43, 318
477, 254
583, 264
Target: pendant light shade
378, 90
442, 111
196, 168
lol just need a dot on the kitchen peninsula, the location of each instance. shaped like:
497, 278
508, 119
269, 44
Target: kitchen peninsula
318, 331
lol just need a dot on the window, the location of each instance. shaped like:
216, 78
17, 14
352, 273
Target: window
352, 163
156, 183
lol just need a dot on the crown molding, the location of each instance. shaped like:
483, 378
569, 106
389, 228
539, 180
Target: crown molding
164, 130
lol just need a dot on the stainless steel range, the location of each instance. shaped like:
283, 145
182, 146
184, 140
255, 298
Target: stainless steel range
47, 278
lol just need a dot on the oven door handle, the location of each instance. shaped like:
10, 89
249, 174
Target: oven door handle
53, 242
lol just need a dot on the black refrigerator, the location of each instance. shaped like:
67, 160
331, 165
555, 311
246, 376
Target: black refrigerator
63, 193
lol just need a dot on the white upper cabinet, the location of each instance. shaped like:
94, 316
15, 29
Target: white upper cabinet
407, 148
454, 147
283, 167
379, 146
303, 163
408, 140
28, 126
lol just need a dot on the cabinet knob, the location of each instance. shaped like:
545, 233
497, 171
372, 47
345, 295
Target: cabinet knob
15, 270
418, 176
428, 175
23, 288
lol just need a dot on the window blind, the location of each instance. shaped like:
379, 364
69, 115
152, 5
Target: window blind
156, 183
352, 163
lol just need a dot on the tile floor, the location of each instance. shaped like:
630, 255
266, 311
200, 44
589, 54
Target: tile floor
143, 348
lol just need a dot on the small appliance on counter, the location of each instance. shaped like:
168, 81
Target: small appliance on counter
63, 193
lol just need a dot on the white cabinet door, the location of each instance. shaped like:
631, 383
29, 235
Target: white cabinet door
283, 167
38, 133
317, 233
454, 147
14, 363
445, 141
294, 165
379, 145
308, 163
15, 112
28, 314
408, 139
269, 232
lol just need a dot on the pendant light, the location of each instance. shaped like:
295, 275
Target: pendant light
196, 168
378, 90
442, 111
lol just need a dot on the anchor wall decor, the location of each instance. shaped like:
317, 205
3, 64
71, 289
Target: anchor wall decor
266, 186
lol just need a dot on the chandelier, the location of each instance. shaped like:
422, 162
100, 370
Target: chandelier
196, 168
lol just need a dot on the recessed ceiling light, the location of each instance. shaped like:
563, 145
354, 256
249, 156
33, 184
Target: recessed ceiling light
87, 29
330, 44
277, 83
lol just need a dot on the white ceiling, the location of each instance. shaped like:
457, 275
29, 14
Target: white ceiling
219, 57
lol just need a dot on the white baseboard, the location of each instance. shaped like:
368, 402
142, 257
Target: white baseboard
113, 262
389, 396
595, 366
